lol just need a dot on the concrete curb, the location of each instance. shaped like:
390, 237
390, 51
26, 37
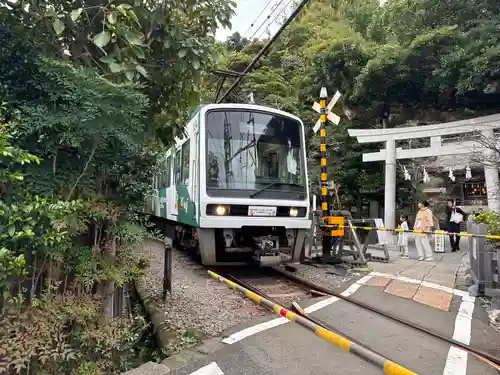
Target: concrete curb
188, 356
387, 366
163, 334
149, 368
179, 360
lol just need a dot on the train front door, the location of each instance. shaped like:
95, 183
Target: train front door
174, 197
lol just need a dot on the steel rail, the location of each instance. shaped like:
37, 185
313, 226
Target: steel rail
299, 310
491, 360
387, 366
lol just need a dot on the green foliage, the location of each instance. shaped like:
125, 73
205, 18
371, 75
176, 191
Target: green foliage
492, 220
68, 331
397, 61
58, 335
121, 35
11, 267
93, 92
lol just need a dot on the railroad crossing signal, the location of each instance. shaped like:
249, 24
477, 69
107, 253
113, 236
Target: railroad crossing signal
329, 115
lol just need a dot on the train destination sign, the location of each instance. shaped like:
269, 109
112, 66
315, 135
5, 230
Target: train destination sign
261, 211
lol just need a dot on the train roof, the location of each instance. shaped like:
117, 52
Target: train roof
255, 107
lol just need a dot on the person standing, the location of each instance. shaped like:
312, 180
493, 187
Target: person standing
454, 216
424, 222
403, 236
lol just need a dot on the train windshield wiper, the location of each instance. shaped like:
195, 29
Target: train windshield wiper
271, 185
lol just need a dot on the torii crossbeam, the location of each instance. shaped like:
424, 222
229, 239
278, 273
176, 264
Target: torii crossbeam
485, 125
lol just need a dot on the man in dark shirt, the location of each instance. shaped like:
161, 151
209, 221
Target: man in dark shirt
454, 216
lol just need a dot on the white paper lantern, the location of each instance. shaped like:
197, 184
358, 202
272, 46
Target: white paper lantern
426, 176
406, 174
451, 175
468, 173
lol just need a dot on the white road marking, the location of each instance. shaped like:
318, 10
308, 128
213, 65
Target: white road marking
459, 293
250, 331
456, 362
210, 369
240, 335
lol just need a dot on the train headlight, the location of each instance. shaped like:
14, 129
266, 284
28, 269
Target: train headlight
220, 210
294, 212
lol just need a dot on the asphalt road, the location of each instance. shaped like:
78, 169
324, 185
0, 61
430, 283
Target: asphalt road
289, 349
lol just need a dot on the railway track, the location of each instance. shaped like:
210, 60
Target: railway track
479, 354
289, 289
270, 285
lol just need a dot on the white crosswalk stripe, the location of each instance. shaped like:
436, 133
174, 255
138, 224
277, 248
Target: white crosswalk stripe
210, 369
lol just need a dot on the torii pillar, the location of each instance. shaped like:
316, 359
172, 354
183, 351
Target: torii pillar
390, 184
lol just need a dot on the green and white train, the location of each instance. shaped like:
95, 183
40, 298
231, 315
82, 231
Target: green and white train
235, 187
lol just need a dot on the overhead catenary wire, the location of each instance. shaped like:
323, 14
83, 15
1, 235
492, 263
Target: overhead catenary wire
220, 82
257, 18
275, 18
274, 8
264, 49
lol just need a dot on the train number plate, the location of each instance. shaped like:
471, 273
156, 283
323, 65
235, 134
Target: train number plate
261, 211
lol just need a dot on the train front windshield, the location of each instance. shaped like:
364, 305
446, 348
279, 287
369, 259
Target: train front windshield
254, 154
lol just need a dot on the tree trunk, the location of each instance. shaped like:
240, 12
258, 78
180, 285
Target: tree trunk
108, 287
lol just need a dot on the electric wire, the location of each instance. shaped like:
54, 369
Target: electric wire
220, 82
263, 23
264, 49
257, 18
275, 18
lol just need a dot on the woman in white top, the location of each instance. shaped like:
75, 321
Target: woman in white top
403, 237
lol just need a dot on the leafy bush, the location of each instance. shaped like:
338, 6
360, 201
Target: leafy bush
57, 335
51, 314
492, 220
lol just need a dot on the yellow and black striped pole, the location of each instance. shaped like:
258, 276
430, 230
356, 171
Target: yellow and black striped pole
326, 239
322, 133
387, 366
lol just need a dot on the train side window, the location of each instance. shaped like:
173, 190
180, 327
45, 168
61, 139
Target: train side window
162, 177
185, 163
168, 172
177, 167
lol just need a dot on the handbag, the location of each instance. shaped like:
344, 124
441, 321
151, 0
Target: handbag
456, 217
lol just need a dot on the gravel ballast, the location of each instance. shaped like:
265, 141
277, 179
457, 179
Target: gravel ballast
197, 301
326, 275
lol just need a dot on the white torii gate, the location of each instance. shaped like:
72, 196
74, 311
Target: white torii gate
485, 125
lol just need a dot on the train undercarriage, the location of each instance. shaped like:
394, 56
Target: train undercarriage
266, 246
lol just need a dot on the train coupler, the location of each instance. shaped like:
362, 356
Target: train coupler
267, 253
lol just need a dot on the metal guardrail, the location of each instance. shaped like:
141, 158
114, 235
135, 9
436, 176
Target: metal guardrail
436, 232
483, 261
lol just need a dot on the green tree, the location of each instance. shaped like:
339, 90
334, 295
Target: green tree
163, 45
402, 61
236, 42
